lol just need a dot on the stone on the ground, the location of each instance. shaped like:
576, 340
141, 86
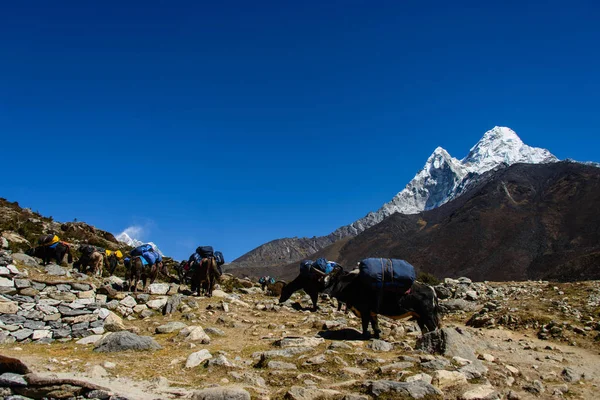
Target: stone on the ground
381, 345
420, 377
25, 259
444, 379
299, 341
12, 379
194, 333
92, 339
113, 323
158, 288
197, 358
309, 393
170, 327
56, 270
480, 392
124, 340
157, 303
128, 302
172, 304
416, 389
570, 375
279, 365
6, 282
222, 393
8, 307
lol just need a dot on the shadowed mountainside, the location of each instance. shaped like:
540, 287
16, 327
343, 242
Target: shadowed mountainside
526, 221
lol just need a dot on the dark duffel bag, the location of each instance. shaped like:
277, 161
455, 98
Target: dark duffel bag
205, 251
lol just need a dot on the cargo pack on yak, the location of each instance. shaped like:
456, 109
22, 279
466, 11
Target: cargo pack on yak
111, 260
386, 287
311, 279
50, 247
389, 275
92, 257
148, 254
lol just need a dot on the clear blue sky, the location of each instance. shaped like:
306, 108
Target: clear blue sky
233, 123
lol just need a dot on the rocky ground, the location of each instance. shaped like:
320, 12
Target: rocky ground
80, 337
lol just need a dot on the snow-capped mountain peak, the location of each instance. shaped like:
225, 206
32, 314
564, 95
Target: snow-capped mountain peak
502, 145
444, 177
123, 237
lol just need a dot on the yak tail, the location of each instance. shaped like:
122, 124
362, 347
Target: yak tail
438, 310
214, 267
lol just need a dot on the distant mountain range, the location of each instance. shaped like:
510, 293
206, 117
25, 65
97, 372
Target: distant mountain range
442, 179
519, 222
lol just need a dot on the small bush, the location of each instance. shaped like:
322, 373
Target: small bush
428, 278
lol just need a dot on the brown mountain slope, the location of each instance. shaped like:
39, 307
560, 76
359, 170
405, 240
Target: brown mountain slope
280, 252
522, 222
30, 225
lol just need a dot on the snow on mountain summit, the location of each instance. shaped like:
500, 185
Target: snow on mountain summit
442, 177
502, 145
123, 237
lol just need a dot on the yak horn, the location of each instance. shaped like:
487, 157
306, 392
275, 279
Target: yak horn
318, 271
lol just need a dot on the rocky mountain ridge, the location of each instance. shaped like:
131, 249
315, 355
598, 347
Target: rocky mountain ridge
442, 179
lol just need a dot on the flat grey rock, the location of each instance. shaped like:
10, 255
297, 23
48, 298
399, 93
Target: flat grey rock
124, 340
222, 393
415, 389
12, 379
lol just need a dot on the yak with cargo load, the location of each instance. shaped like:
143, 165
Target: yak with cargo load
311, 280
386, 287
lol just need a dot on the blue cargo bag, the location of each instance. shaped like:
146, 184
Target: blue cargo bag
387, 274
195, 258
323, 265
219, 258
138, 251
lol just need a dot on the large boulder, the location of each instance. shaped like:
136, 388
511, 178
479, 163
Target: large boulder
448, 342
121, 341
159, 288
112, 323
25, 260
454, 343
197, 358
56, 270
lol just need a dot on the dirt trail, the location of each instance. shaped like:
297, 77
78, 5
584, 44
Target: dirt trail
542, 360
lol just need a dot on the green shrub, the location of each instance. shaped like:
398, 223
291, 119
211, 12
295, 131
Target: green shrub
428, 278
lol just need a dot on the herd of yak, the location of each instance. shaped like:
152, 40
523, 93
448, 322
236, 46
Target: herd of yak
355, 289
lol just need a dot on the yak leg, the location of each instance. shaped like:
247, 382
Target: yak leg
209, 285
375, 325
145, 282
365, 319
153, 274
314, 297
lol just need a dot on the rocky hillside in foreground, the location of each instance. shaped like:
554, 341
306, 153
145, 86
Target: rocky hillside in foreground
511, 340
21, 227
442, 179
